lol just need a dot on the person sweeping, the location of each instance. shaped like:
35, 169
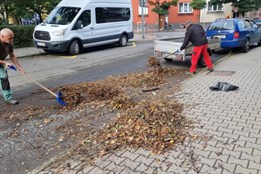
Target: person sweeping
6, 48
197, 36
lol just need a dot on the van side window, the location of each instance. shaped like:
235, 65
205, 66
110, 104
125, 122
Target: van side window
85, 19
108, 14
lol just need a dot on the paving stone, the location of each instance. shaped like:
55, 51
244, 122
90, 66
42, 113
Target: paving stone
254, 158
130, 164
207, 161
227, 166
254, 135
128, 171
114, 168
176, 153
143, 152
233, 136
128, 154
227, 130
176, 169
208, 169
101, 163
233, 160
219, 157
255, 165
243, 170
142, 167
252, 145
114, 158
150, 170
67, 171
144, 160
97, 170
243, 149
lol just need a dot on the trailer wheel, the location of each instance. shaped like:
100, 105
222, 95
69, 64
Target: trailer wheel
74, 47
123, 40
168, 59
201, 62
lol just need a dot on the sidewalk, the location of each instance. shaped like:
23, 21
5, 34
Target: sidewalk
230, 120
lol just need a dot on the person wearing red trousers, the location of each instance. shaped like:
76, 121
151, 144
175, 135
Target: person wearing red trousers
197, 36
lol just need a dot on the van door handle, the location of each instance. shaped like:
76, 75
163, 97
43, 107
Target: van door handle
91, 28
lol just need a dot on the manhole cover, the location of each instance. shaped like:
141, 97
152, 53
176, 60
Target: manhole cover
221, 73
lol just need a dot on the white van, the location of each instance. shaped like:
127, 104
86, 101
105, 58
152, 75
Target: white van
77, 24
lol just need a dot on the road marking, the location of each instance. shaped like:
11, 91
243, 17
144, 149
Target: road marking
133, 43
69, 57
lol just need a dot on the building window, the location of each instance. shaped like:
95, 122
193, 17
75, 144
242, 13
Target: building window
185, 8
213, 8
145, 10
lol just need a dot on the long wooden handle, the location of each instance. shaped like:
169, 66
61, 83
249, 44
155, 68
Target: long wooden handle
31, 79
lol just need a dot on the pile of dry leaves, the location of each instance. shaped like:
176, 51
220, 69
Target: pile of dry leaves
143, 119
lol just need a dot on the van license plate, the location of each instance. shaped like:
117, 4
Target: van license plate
41, 44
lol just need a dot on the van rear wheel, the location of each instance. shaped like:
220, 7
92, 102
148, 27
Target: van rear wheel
74, 48
123, 40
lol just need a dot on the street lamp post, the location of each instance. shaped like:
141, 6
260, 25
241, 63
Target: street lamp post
142, 18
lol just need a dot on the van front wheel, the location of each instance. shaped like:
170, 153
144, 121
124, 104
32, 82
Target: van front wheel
74, 48
123, 40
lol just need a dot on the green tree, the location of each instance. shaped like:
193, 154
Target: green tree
5, 9
40, 7
242, 5
162, 8
198, 5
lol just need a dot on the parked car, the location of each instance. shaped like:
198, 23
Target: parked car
235, 33
258, 22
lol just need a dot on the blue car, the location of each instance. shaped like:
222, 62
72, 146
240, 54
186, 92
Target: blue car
235, 33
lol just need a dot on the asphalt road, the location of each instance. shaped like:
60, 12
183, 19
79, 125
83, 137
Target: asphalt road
28, 150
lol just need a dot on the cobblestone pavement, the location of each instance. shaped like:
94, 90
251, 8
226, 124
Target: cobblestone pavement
232, 120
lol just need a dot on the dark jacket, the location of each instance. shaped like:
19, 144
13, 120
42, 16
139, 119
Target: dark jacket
5, 50
196, 35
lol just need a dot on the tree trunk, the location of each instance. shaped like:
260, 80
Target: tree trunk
40, 17
159, 22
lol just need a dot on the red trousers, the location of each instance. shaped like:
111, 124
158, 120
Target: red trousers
197, 52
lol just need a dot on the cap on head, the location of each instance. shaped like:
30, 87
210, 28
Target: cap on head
188, 22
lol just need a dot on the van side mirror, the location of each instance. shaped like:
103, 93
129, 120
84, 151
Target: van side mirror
79, 24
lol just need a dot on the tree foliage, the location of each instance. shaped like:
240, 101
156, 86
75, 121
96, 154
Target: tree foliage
162, 7
25, 9
243, 5
198, 4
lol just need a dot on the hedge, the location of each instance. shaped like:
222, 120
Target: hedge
23, 35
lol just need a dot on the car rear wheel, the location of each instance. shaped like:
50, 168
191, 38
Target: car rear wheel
74, 48
246, 46
259, 43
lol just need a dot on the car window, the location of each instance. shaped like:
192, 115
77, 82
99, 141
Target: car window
248, 24
253, 24
222, 25
241, 24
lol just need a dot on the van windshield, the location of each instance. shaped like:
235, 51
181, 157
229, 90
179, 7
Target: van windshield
62, 15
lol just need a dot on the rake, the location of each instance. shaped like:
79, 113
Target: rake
58, 96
